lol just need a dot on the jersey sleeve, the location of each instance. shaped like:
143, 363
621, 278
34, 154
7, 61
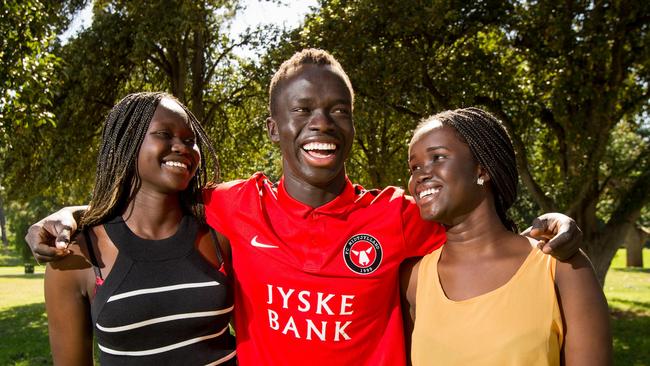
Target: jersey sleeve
223, 201
220, 201
420, 237
214, 208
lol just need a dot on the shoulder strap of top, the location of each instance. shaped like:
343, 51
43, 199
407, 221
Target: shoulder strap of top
91, 254
217, 247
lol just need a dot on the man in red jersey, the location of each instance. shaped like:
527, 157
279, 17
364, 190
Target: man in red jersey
316, 258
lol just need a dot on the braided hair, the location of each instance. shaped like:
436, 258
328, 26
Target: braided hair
308, 56
116, 178
490, 145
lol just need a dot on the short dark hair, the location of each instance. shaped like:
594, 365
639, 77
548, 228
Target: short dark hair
491, 146
308, 56
116, 180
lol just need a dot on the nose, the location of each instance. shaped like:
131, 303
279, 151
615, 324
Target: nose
423, 174
180, 147
321, 121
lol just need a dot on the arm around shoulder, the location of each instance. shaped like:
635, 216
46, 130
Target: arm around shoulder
587, 339
48, 239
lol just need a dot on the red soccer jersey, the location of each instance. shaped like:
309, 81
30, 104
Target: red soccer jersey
318, 286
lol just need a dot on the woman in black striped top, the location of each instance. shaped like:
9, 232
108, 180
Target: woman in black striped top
147, 275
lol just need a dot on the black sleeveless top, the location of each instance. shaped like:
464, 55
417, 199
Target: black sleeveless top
162, 303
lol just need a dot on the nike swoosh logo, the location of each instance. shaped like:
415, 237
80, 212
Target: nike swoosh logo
255, 243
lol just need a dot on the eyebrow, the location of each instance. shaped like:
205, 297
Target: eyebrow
302, 100
431, 148
310, 100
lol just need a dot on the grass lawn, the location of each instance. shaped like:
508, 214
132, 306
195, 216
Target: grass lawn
23, 324
628, 295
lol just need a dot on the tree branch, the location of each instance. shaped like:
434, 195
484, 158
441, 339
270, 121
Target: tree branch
547, 117
162, 61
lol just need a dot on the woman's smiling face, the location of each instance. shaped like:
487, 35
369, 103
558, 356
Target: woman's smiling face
443, 175
168, 157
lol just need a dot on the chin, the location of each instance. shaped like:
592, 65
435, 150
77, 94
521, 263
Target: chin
429, 214
321, 177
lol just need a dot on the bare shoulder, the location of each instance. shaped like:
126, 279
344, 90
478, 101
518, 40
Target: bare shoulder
72, 276
578, 266
77, 260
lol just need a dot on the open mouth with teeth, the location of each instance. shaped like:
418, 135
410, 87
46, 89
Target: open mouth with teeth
428, 192
319, 149
319, 153
177, 165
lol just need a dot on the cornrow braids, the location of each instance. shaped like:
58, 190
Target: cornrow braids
490, 145
192, 198
308, 56
116, 178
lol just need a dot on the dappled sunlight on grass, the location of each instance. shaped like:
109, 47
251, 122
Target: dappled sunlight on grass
628, 295
17, 288
23, 330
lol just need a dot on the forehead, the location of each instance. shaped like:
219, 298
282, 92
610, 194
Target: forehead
435, 134
169, 111
315, 81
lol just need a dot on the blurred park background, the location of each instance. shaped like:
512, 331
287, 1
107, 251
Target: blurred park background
569, 80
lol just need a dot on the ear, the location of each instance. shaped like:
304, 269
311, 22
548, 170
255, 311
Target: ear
272, 130
483, 173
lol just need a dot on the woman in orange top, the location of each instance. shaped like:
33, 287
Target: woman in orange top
488, 296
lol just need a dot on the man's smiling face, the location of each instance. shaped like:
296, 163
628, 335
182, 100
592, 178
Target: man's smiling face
312, 122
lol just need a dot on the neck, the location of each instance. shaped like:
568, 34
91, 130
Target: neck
480, 231
313, 195
153, 215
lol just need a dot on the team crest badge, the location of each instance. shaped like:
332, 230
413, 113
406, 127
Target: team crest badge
362, 254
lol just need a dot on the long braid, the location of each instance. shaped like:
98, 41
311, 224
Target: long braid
191, 198
116, 178
490, 145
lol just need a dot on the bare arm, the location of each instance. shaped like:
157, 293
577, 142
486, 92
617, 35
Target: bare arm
588, 339
68, 309
408, 286
48, 239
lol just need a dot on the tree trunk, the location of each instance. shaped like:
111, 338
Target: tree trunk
3, 226
634, 244
602, 247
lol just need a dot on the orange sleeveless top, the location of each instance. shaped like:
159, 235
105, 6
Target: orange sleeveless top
518, 323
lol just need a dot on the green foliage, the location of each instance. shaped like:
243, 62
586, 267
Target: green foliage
27, 60
134, 46
569, 80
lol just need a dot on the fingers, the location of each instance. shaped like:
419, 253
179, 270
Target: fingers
63, 238
559, 234
60, 230
557, 245
44, 253
48, 239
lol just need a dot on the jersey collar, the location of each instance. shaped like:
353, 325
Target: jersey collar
337, 206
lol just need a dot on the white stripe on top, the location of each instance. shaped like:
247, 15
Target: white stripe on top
163, 319
170, 347
223, 359
152, 290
